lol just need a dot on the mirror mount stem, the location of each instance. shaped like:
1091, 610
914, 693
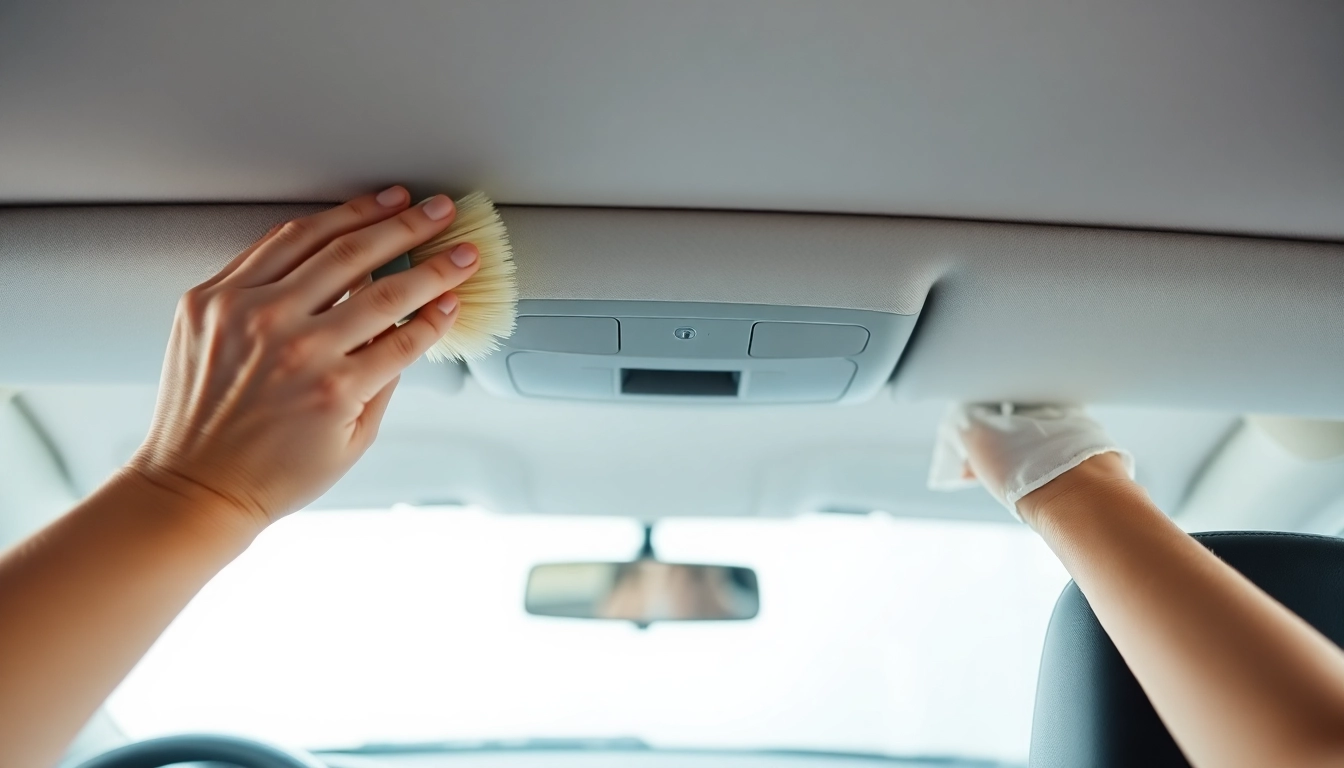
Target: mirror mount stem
646, 550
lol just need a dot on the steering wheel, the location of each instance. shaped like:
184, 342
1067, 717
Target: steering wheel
201, 748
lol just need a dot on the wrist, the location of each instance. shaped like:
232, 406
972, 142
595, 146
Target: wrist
186, 510
1104, 474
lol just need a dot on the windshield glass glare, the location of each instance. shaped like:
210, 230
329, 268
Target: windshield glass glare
874, 634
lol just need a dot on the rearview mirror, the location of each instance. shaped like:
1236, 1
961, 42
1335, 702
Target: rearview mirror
643, 591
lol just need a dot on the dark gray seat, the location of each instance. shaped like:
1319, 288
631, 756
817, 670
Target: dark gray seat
1090, 711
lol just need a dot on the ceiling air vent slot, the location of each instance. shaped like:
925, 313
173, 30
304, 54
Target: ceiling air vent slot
648, 381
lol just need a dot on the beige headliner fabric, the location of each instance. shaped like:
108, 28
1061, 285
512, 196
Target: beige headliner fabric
1015, 311
1200, 115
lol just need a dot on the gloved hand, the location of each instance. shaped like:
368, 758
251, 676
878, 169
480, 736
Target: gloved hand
1013, 451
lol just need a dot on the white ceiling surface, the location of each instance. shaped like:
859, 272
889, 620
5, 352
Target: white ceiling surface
1206, 114
1202, 115
578, 458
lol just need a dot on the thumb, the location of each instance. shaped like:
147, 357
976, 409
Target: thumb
366, 429
949, 470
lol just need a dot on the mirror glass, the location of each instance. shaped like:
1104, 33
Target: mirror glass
643, 591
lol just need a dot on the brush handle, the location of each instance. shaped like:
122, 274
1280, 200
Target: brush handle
399, 264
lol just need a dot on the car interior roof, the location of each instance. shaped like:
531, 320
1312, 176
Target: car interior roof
1134, 206
1192, 116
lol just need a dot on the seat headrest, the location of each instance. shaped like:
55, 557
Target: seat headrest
1091, 712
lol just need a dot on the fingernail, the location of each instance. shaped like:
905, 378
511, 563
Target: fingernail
447, 304
391, 196
438, 207
463, 255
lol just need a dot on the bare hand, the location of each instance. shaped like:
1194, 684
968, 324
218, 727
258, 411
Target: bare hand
271, 389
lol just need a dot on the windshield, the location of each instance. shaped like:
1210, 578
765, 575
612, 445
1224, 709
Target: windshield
875, 634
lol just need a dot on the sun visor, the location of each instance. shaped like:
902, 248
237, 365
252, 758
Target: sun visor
757, 307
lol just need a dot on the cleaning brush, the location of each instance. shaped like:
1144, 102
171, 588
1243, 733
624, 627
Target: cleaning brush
488, 300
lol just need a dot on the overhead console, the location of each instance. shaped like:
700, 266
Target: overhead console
681, 351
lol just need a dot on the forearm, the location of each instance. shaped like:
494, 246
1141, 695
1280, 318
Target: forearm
274, 384
82, 600
1214, 654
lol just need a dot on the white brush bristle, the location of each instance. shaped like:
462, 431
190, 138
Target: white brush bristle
488, 300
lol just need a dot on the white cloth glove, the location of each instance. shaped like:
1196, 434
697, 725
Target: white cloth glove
1012, 451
